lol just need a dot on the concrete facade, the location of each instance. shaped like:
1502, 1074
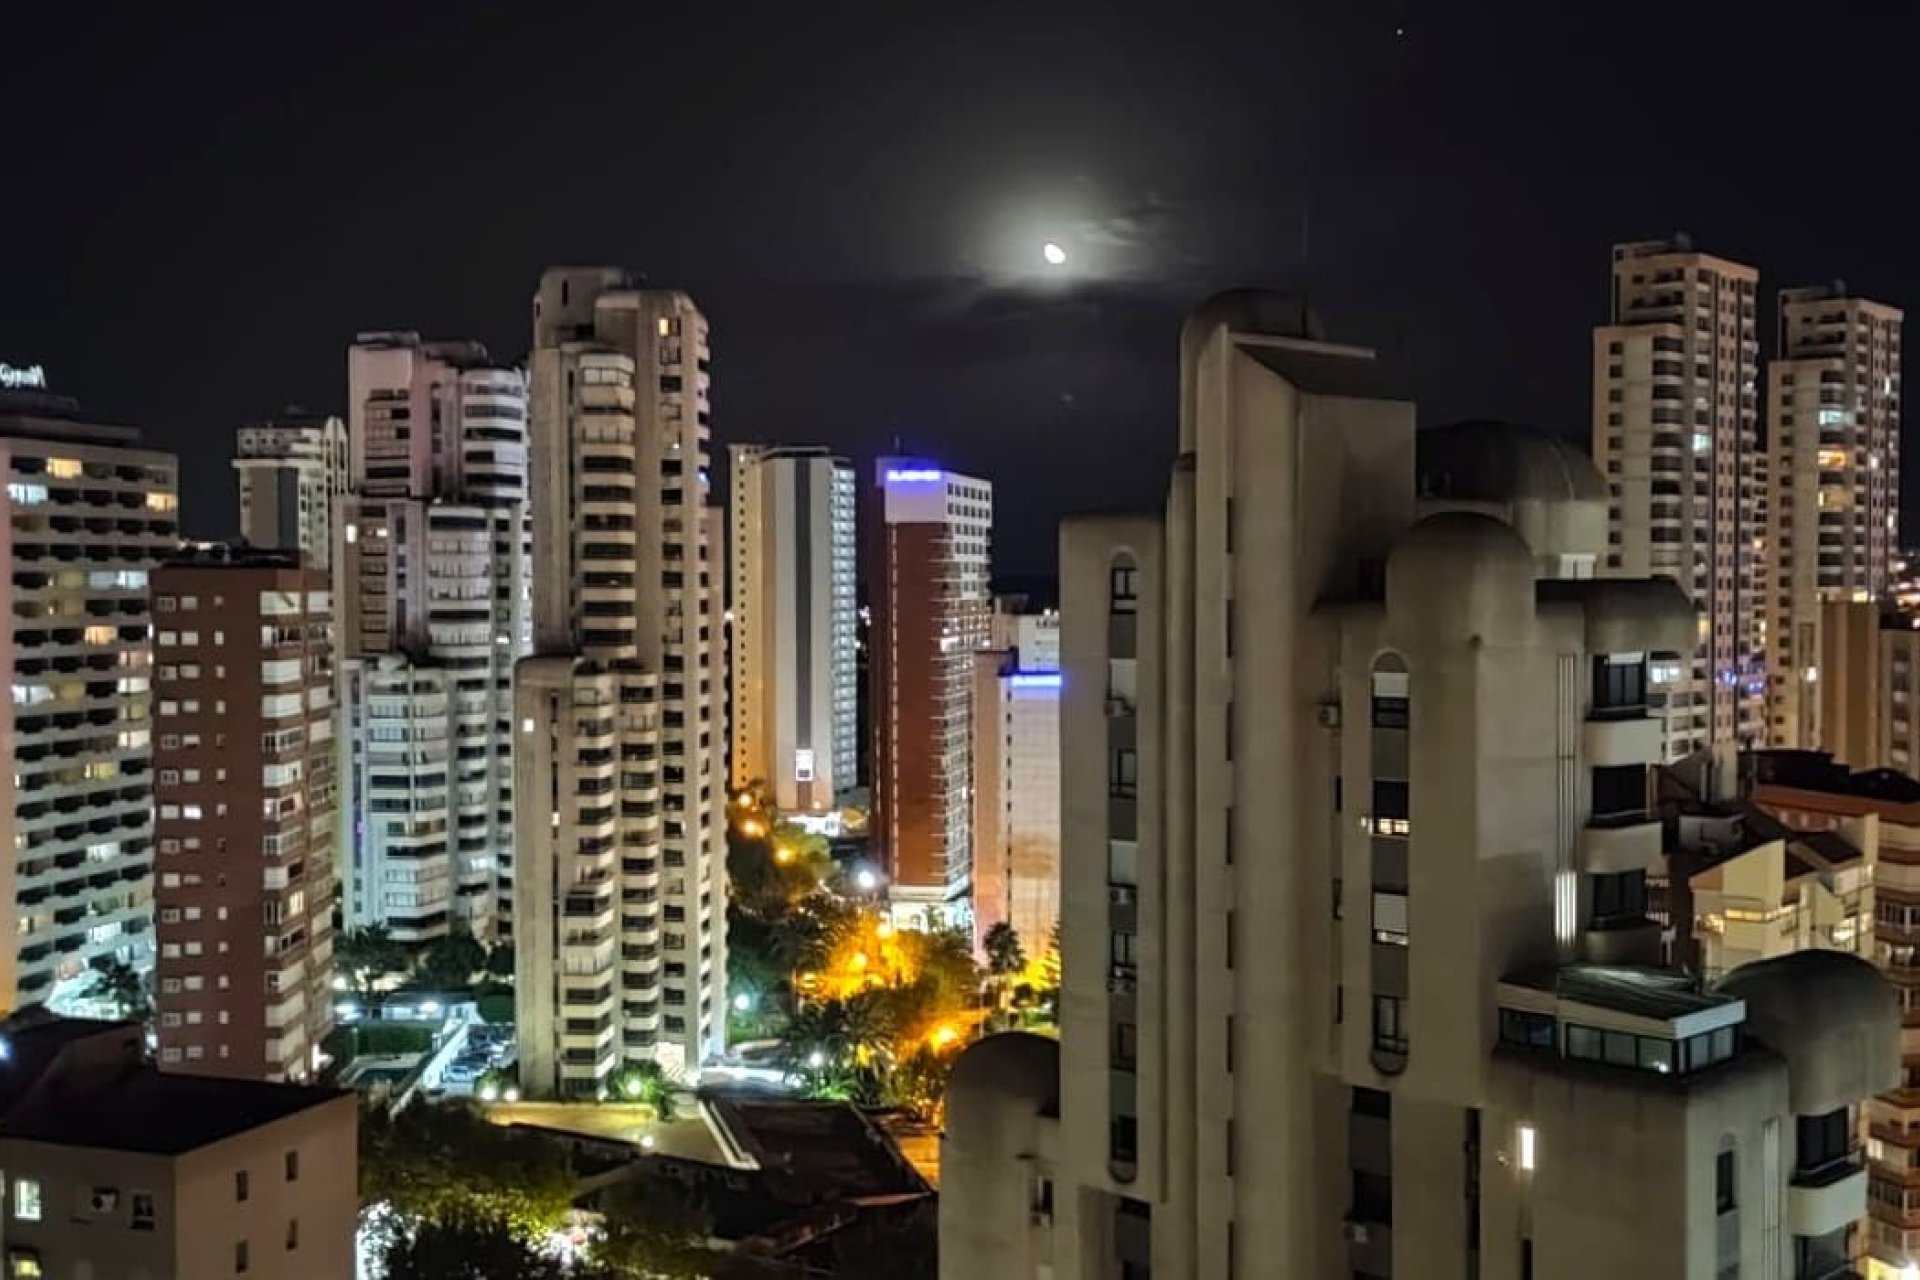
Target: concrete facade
292, 473
1016, 795
1356, 827
795, 718
1675, 437
85, 515
620, 921
1833, 424
111, 1169
245, 795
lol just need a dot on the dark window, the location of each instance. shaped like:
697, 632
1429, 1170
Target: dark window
1123, 589
1372, 1198
293, 1166
240, 1185
1619, 897
1823, 1140
1619, 688
1126, 1045
1527, 1029
1391, 713
1389, 799
1723, 1183
1123, 1139
1620, 791
1372, 1102
1389, 1024
1124, 777
240, 1258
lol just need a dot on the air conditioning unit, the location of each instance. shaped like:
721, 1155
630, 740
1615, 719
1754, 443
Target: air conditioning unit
1356, 1232
1120, 895
1329, 715
103, 1200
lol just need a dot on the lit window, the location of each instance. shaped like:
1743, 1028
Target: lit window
63, 469
165, 502
1525, 1148
26, 1191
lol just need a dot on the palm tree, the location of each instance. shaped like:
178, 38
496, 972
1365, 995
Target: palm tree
120, 984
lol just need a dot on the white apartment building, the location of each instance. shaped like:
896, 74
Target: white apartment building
932, 607
1833, 422
620, 888
1356, 831
792, 603
87, 512
293, 471
433, 584
1675, 438
1016, 787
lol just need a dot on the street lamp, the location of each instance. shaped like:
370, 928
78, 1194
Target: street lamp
742, 1002
867, 881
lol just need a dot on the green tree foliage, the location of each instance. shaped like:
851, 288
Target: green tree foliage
444, 1163
367, 955
645, 1082
500, 961
1005, 955
384, 1038
467, 1246
449, 963
654, 1228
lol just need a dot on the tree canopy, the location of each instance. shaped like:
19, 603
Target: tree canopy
444, 1163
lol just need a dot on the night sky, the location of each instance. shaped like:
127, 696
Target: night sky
199, 214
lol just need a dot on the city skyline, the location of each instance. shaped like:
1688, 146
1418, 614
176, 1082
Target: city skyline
912, 246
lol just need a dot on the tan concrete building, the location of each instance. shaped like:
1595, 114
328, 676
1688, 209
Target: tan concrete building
112, 1169
1675, 438
245, 794
1812, 792
1868, 685
620, 892
85, 514
1356, 833
293, 472
932, 536
1833, 506
793, 609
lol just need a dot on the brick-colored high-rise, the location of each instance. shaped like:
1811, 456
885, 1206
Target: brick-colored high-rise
244, 764
932, 532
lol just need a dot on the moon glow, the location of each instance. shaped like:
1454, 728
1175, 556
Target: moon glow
1054, 254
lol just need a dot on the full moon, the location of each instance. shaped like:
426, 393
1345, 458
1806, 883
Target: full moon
1054, 254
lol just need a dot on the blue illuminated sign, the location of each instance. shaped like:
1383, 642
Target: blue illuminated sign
1036, 680
913, 476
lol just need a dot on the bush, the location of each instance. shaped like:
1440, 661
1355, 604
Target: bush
496, 1007
379, 1038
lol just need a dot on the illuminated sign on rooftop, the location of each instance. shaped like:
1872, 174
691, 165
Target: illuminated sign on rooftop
1035, 680
914, 476
14, 375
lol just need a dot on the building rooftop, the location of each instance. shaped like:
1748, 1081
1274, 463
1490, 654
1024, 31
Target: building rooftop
1818, 771
230, 555
1500, 462
1664, 994
77, 1083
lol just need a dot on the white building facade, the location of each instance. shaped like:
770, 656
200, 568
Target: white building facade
433, 577
293, 472
793, 605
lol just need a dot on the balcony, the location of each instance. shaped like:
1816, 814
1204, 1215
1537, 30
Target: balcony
1624, 741
1613, 848
1827, 1199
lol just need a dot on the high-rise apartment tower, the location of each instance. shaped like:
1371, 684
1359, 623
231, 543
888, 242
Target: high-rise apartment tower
931, 532
293, 471
795, 718
1833, 506
620, 775
86, 512
1674, 436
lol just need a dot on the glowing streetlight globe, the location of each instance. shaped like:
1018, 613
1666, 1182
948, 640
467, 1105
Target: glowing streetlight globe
742, 1002
867, 881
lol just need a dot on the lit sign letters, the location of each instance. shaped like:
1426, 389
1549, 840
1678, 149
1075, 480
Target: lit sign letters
14, 375
911, 477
